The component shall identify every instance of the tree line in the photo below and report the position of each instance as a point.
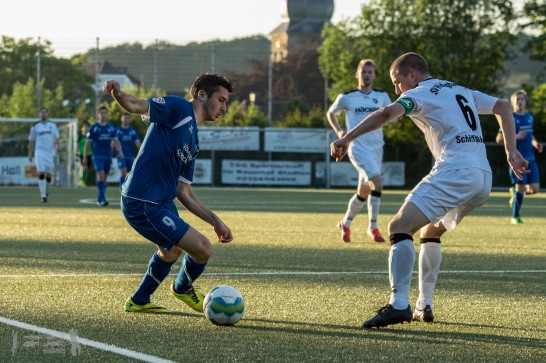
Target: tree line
(464, 41)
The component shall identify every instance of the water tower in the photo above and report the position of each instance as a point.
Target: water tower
(302, 24)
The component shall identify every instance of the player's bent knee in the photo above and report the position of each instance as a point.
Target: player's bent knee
(203, 253)
(170, 255)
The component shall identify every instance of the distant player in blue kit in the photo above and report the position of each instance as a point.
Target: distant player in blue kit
(100, 137)
(526, 144)
(128, 137)
(162, 171)
(459, 182)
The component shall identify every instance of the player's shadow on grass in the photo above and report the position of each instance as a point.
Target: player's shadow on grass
(491, 326)
(426, 335)
(405, 333)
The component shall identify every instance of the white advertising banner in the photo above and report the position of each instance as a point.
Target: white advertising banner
(296, 140)
(18, 171)
(344, 174)
(255, 172)
(229, 138)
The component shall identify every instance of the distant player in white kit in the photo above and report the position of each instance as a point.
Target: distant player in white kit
(366, 152)
(43, 142)
(459, 181)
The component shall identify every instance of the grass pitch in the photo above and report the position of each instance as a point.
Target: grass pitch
(67, 267)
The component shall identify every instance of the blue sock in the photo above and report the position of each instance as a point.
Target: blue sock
(517, 204)
(101, 187)
(189, 272)
(158, 270)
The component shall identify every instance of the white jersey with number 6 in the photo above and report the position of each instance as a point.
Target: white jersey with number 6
(448, 116)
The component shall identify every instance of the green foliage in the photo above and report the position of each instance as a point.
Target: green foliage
(463, 41)
(242, 114)
(22, 101)
(297, 114)
(64, 86)
(537, 98)
(535, 11)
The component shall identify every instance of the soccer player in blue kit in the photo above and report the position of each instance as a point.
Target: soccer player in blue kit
(127, 137)
(162, 171)
(526, 142)
(100, 136)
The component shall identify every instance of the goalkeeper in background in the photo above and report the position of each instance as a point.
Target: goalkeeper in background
(43, 141)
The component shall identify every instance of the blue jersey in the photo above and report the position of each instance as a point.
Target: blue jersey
(101, 136)
(127, 137)
(525, 146)
(167, 154)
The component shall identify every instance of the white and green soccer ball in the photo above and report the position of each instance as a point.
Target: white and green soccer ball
(224, 305)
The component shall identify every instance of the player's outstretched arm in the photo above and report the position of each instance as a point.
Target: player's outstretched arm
(191, 201)
(505, 118)
(127, 101)
(373, 121)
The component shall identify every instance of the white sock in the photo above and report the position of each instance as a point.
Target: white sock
(430, 258)
(373, 210)
(401, 260)
(353, 208)
(42, 185)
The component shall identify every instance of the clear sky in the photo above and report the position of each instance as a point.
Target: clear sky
(72, 26)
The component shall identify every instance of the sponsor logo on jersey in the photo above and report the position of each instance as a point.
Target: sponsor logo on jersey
(469, 138)
(185, 154)
(158, 100)
(365, 109)
(438, 86)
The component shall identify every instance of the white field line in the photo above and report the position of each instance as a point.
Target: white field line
(284, 273)
(83, 341)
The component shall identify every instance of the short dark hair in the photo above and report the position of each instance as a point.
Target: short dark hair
(102, 108)
(210, 83)
(409, 61)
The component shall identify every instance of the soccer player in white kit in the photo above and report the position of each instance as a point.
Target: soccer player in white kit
(366, 152)
(459, 181)
(43, 142)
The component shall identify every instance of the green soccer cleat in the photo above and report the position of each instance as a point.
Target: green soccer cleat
(512, 192)
(193, 298)
(150, 307)
(516, 220)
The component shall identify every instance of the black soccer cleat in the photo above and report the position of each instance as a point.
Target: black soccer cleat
(388, 315)
(424, 315)
(44, 199)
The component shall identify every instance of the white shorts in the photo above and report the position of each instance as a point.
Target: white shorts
(367, 163)
(448, 196)
(44, 162)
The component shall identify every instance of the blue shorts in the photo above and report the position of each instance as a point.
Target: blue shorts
(159, 223)
(532, 178)
(125, 163)
(102, 164)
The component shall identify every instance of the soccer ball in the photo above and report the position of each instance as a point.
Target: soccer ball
(224, 305)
